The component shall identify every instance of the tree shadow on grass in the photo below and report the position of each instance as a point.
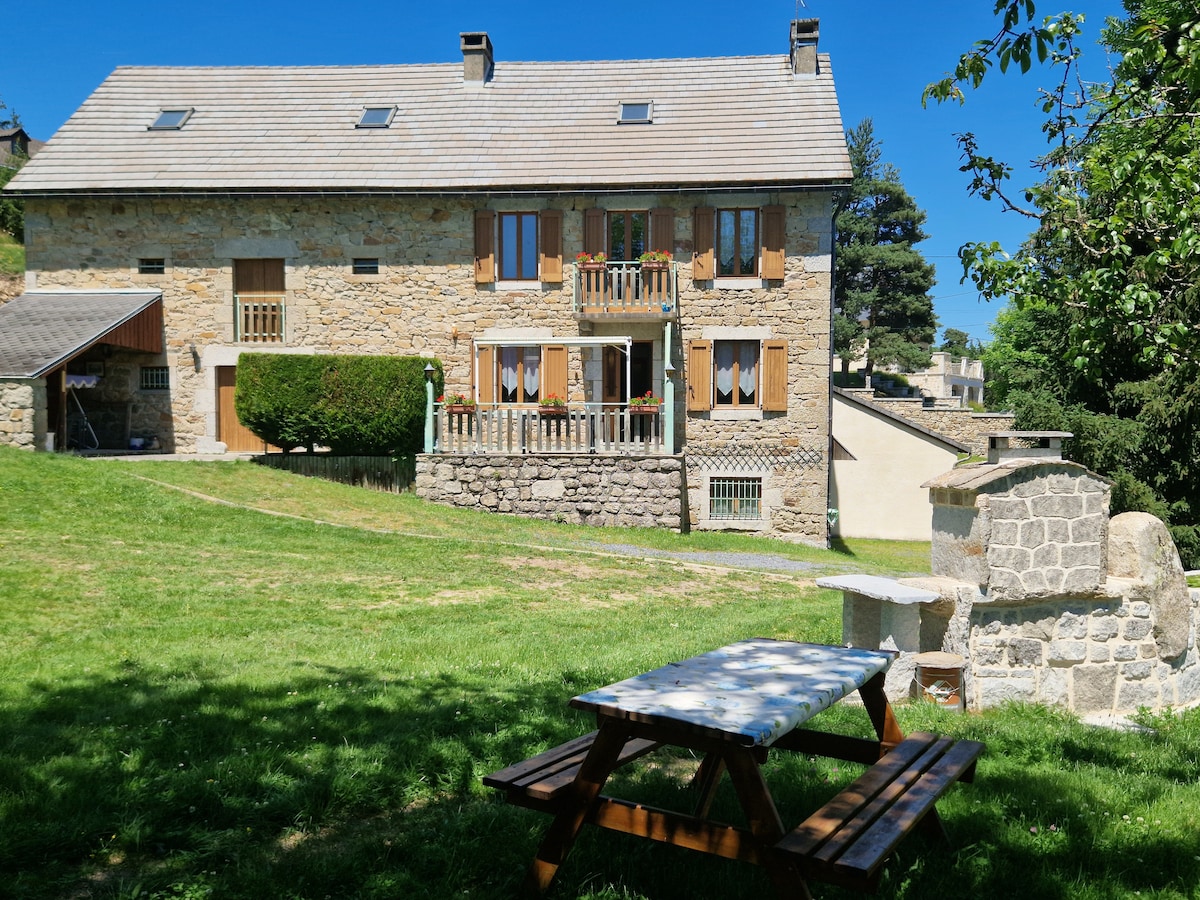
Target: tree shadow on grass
(347, 783)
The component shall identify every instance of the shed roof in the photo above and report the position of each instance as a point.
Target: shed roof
(738, 122)
(43, 329)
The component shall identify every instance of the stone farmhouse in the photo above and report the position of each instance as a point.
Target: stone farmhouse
(495, 216)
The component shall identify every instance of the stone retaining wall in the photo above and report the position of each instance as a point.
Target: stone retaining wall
(582, 489)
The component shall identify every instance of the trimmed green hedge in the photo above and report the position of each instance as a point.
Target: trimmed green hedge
(355, 405)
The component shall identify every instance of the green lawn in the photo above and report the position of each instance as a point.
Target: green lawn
(12, 256)
(205, 700)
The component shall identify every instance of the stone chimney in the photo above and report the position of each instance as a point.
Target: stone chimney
(804, 46)
(478, 61)
(1043, 445)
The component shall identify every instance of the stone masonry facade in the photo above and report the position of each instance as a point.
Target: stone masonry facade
(576, 488)
(425, 301)
(22, 411)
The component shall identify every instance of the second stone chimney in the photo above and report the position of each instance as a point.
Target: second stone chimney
(804, 46)
(478, 61)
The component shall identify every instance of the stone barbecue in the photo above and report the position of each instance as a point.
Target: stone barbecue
(1044, 596)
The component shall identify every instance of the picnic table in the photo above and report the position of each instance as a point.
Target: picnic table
(732, 706)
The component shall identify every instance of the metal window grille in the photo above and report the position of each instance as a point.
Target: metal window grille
(735, 498)
(152, 266)
(366, 267)
(155, 378)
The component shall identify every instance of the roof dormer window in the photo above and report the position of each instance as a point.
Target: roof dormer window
(171, 119)
(635, 112)
(376, 117)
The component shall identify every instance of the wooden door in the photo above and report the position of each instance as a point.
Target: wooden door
(235, 435)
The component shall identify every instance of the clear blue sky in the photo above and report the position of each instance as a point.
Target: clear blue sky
(883, 54)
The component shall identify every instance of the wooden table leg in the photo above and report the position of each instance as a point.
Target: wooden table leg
(707, 777)
(880, 711)
(560, 837)
(765, 824)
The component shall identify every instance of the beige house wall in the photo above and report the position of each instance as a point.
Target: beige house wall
(425, 302)
(879, 493)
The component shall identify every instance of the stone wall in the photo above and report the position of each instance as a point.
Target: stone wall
(22, 411)
(582, 489)
(963, 425)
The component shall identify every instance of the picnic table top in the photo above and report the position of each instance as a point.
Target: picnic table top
(750, 693)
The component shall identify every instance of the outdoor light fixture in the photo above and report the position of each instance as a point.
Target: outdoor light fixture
(195, 357)
(429, 371)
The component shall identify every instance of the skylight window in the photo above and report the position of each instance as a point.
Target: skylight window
(637, 112)
(376, 117)
(171, 119)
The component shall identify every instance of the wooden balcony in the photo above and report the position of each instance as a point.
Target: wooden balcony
(626, 290)
(603, 428)
(259, 318)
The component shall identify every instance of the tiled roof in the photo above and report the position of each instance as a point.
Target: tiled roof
(40, 330)
(725, 121)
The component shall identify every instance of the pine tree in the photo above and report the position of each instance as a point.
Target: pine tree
(881, 282)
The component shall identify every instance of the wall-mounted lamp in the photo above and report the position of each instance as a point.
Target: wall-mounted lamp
(195, 357)
(454, 335)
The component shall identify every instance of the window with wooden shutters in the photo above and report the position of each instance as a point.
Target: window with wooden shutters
(735, 373)
(259, 292)
(551, 256)
(594, 240)
(626, 235)
(774, 232)
(485, 258)
(662, 230)
(704, 219)
(699, 376)
(775, 380)
(554, 371)
(517, 246)
(737, 243)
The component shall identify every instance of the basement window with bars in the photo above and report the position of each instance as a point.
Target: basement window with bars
(365, 266)
(155, 378)
(735, 498)
(154, 266)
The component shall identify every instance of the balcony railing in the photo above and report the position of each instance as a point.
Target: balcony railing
(586, 428)
(626, 287)
(259, 318)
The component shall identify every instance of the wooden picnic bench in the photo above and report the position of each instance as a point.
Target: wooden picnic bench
(845, 842)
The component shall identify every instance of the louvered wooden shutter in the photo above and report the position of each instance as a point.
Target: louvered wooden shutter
(775, 380)
(594, 239)
(704, 221)
(484, 373)
(554, 371)
(485, 257)
(551, 261)
(662, 230)
(774, 231)
(699, 375)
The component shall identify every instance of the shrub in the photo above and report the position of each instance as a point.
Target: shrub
(355, 405)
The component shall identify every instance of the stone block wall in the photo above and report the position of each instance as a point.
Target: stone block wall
(1088, 655)
(963, 425)
(22, 411)
(582, 489)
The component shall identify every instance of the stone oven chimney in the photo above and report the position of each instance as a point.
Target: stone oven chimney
(804, 46)
(1043, 445)
(478, 61)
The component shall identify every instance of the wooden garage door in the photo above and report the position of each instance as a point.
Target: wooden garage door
(233, 433)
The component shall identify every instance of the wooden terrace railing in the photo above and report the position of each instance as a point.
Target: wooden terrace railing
(609, 428)
(259, 317)
(626, 287)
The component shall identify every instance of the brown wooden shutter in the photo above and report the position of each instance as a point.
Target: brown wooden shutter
(699, 375)
(485, 257)
(775, 380)
(258, 276)
(594, 238)
(704, 221)
(554, 371)
(551, 261)
(483, 374)
(774, 231)
(662, 230)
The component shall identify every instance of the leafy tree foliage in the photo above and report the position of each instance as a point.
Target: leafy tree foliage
(882, 282)
(12, 212)
(958, 343)
(1102, 338)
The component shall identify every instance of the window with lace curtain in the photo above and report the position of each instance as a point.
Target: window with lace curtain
(520, 374)
(735, 373)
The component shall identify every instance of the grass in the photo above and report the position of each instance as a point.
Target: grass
(12, 256)
(204, 700)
